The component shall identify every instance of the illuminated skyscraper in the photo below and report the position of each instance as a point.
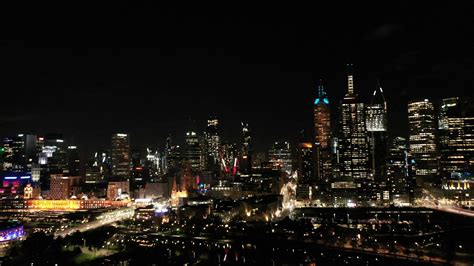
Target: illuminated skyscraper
(19, 152)
(120, 155)
(247, 149)
(322, 129)
(422, 128)
(352, 141)
(456, 137)
(400, 172)
(193, 150)
(322, 118)
(212, 140)
(228, 155)
(376, 121)
(280, 156)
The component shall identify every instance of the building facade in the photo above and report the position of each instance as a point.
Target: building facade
(422, 139)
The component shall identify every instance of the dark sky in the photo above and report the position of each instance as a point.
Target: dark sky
(88, 72)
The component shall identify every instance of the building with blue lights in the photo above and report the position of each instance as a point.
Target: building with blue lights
(322, 130)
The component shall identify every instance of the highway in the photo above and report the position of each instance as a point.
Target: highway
(429, 201)
(104, 219)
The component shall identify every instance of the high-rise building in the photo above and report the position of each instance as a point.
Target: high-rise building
(212, 141)
(352, 142)
(322, 129)
(422, 132)
(306, 173)
(193, 150)
(98, 168)
(137, 173)
(247, 149)
(322, 118)
(19, 152)
(280, 156)
(305, 163)
(400, 172)
(456, 138)
(120, 155)
(376, 121)
(73, 161)
(56, 152)
(229, 158)
(172, 159)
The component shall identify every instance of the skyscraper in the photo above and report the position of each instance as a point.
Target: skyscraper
(229, 154)
(212, 141)
(400, 172)
(73, 161)
(352, 141)
(305, 163)
(19, 152)
(305, 170)
(193, 150)
(322, 129)
(456, 137)
(376, 121)
(120, 155)
(422, 129)
(280, 156)
(247, 149)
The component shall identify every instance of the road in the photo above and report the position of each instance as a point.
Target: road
(104, 219)
(429, 201)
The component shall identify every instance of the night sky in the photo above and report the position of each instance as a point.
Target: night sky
(148, 70)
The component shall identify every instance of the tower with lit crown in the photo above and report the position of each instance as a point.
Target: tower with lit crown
(322, 130)
(353, 144)
(376, 121)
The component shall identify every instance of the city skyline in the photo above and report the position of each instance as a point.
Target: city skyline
(65, 88)
(254, 135)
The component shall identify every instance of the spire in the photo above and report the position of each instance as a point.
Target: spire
(378, 96)
(321, 92)
(322, 96)
(350, 79)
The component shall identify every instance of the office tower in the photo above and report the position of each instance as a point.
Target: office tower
(120, 155)
(153, 162)
(73, 161)
(56, 152)
(228, 155)
(193, 150)
(376, 121)
(456, 137)
(19, 152)
(172, 159)
(247, 149)
(422, 128)
(137, 172)
(305, 163)
(322, 129)
(400, 172)
(212, 141)
(280, 156)
(352, 141)
(306, 171)
(98, 168)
